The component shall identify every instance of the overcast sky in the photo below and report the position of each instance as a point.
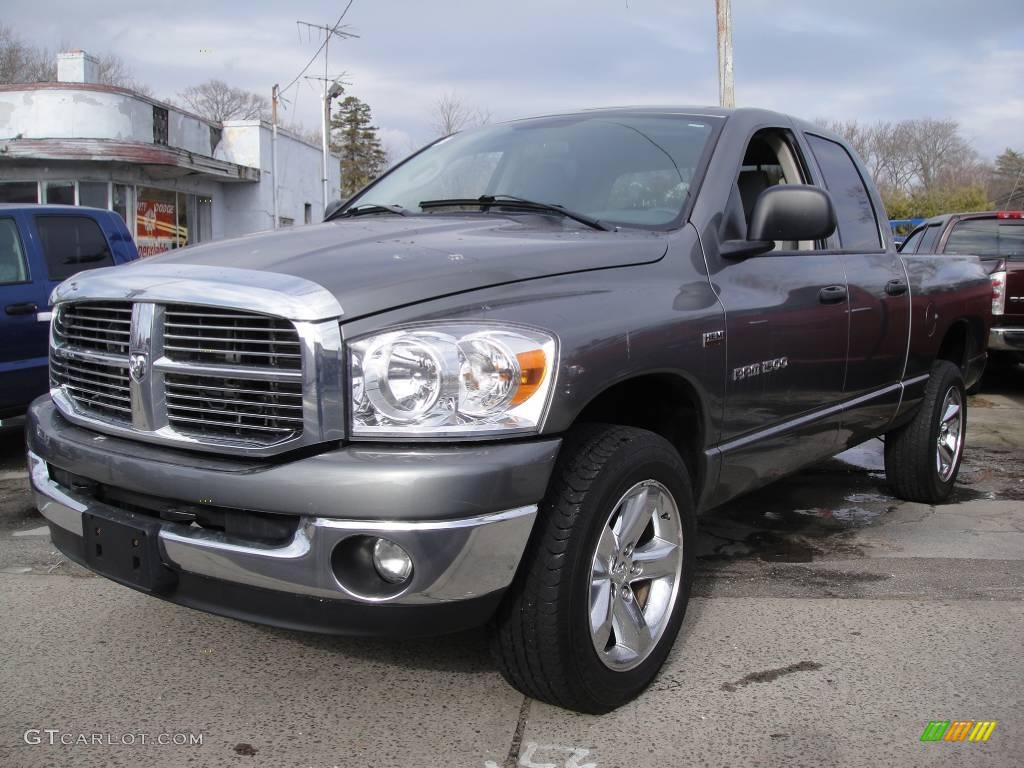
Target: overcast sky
(871, 59)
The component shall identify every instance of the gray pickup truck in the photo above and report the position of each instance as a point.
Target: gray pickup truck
(498, 385)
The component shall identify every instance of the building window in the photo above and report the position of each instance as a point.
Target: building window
(215, 134)
(19, 192)
(204, 214)
(308, 213)
(94, 194)
(156, 221)
(159, 125)
(121, 203)
(59, 192)
(284, 221)
(165, 219)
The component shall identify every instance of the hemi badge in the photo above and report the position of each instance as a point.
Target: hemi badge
(713, 337)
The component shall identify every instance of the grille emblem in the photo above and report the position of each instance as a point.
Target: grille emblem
(138, 364)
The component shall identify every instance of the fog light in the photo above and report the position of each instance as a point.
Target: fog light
(391, 561)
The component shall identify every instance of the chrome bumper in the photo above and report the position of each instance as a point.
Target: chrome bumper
(452, 559)
(1006, 339)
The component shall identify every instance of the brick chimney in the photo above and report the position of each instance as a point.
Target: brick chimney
(77, 67)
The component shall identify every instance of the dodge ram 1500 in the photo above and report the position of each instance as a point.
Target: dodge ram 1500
(497, 386)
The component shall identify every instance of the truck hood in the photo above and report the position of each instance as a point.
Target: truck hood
(376, 263)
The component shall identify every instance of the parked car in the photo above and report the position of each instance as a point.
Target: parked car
(498, 385)
(997, 238)
(901, 229)
(40, 246)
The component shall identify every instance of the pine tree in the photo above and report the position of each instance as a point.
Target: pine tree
(1008, 180)
(354, 138)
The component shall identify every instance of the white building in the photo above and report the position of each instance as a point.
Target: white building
(176, 178)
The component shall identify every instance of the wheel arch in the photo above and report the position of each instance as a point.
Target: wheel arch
(664, 402)
(962, 339)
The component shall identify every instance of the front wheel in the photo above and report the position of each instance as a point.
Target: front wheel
(600, 595)
(922, 458)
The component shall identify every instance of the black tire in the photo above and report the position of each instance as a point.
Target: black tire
(540, 637)
(910, 451)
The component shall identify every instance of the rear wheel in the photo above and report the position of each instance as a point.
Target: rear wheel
(922, 458)
(606, 577)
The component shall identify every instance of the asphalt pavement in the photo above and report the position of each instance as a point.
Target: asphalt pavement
(830, 624)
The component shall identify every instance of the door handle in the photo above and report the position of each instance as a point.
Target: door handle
(832, 294)
(27, 308)
(896, 287)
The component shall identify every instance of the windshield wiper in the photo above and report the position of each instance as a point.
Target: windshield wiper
(511, 201)
(361, 210)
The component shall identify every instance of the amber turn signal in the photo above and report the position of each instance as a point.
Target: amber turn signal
(532, 365)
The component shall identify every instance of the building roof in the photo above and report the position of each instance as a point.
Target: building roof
(170, 161)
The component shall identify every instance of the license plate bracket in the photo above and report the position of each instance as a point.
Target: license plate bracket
(126, 550)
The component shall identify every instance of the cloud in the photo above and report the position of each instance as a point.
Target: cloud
(870, 60)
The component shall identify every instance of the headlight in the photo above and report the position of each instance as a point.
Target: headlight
(450, 379)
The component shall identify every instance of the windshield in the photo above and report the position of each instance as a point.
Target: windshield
(988, 237)
(631, 171)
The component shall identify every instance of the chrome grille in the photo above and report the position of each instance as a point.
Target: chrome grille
(97, 387)
(223, 378)
(103, 326)
(193, 334)
(92, 368)
(257, 410)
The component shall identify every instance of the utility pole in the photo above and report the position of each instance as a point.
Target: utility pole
(332, 88)
(726, 93)
(273, 151)
(326, 94)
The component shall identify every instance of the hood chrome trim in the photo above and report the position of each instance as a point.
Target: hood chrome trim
(272, 293)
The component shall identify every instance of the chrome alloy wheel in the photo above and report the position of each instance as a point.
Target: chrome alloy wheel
(635, 575)
(950, 441)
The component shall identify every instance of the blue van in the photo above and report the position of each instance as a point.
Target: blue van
(40, 246)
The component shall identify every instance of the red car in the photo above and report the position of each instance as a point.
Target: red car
(997, 237)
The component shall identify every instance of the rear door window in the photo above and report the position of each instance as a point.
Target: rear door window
(987, 237)
(72, 244)
(858, 227)
(930, 239)
(13, 265)
(911, 243)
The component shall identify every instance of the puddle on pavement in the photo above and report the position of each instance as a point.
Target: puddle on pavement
(819, 511)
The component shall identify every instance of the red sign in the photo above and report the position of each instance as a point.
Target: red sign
(156, 227)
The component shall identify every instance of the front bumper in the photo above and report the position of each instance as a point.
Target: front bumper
(1006, 339)
(462, 563)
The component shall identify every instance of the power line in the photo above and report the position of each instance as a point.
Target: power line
(333, 30)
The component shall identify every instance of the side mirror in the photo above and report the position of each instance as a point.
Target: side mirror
(332, 208)
(792, 212)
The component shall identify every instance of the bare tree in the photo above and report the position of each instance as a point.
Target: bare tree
(114, 71)
(913, 155)
(311, 135)
(936, 147)
(856, 135)
(216, 100)
(450, 114)
(23, 63)
(892, 165)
